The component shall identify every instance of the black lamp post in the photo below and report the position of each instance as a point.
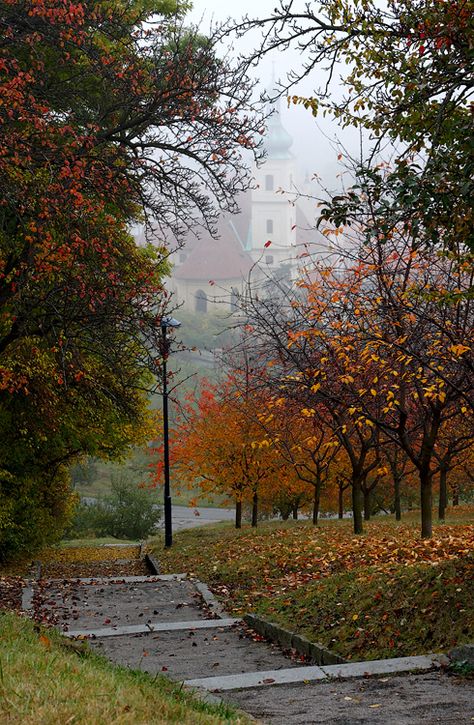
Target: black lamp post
(166, 322)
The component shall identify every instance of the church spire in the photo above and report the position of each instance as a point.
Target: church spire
(277, 141)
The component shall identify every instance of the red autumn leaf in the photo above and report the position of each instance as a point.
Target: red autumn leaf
(267, 244)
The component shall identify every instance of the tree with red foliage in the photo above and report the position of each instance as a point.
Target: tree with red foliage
(109, 114)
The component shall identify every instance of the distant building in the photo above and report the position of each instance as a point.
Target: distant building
(268, 236)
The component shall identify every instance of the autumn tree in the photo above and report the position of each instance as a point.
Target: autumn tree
(383, 347)
(296, 338)
(303, 440)
(410, 349)
(218, 446)
(109, 115)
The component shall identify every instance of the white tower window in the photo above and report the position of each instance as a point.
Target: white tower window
(268, 182)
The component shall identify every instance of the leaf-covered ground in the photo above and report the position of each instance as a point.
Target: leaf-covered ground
(92, 561)
(384, 594)
(58, 562)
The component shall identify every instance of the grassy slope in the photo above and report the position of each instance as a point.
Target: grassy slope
(44, 680)
(385, 594)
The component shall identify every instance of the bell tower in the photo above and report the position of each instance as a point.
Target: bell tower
(273, 214)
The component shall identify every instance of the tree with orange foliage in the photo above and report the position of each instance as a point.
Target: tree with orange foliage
(303, 440)
(219, 446)
(385, 346)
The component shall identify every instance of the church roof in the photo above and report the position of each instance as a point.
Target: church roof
(217, 259)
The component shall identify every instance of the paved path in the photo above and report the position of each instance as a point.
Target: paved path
(185, 517)
(169, 624)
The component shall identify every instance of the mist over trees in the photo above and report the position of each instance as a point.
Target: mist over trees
(370, 352)
(124, 114)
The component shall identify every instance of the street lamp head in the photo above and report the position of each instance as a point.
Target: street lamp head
(169, 321)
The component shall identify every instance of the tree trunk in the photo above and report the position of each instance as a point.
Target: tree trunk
(357, 504)
(456, 495)
(295, 512)
(317, 496)
(426, 498)
(340, 502)
(397, 501)
(255, 509)
(443, 493)
(238, 514)
(367, 504)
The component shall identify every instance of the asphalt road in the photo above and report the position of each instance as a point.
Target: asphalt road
(185, 517)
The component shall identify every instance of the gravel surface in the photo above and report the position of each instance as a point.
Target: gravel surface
(397, 700)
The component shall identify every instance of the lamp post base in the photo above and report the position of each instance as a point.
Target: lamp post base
(168, 528)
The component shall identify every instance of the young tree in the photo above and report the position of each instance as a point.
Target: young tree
(219, 447)
(303, 440)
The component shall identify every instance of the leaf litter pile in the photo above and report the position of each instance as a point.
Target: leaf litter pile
(72, 562)
(385, 594)
(90, 561)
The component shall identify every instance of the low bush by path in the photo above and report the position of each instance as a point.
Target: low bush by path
(384, 594)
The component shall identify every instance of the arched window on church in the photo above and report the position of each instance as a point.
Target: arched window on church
(268, 182)
(269, 226)
(200, 301)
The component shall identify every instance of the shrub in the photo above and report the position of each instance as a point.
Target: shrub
(34, 511)
(130, 512)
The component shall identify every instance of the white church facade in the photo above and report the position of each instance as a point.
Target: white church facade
(266, 238)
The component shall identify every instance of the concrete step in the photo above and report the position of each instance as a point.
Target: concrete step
(88, 605)
(425, 698)
(190, 654)
(314, 673)
(117, 631)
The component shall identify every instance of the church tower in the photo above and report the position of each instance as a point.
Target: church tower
(273, 213)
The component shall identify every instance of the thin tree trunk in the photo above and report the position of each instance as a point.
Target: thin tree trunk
(367, 504)
(397, 501)
(426, 498)
(317, 496)
(443, 493)
(357, 504)
(341, 502)
(295, 512)
(255, 509)
(456, 495)
(238, 514)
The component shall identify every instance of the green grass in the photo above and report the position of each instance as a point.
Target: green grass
(100, 541)
(46, 679)
(385, 594)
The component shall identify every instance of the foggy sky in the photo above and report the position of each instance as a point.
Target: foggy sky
(314, 139)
